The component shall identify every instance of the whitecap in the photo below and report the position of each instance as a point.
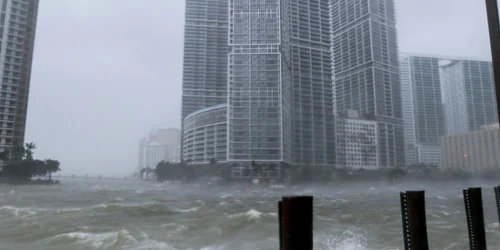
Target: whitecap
(188, 210)
(92, 240)
(251, 214)
(118, 199)
(442, 198)
(17, 212)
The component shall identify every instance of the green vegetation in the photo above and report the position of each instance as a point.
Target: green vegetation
(21, 166)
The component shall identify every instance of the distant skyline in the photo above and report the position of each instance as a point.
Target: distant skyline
(106, 72)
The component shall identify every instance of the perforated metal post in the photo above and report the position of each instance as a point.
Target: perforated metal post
(297, 222)
(475, 218)
(414, 220)
(280, 219)
(494, 31)
(497, 196)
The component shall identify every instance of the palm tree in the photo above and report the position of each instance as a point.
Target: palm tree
(29, 150)
(52, 167)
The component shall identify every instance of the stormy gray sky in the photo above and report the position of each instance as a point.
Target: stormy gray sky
(106, 72)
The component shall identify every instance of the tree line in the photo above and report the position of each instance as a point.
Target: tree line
(21, 166)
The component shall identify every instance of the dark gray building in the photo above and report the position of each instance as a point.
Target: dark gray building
(17, 36)
(366, 70)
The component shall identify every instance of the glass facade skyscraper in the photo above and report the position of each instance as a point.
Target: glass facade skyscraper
(255, 102)
(366, 70)
(468, 95)
(17, 36)
(422, 105)
(279, 81)
(306, 43)
(204, 82)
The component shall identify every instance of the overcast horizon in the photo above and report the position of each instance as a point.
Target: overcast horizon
(107, 72)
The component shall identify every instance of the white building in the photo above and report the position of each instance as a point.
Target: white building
(356, 142)
(429, 155)
(160, 144)
(155, 153)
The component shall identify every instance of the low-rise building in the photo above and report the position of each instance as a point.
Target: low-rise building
(356, 142)
(473, 151)
(430, 155)
(205, 135)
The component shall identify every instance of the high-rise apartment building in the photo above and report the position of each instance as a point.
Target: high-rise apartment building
(255, 103)
(17, 36)
(366, 70)
(204, 79)
(307, 61)
(279, 83)
(422, 108)
(468, 95)
(204, 82)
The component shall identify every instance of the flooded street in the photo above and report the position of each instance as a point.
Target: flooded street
(92, 214)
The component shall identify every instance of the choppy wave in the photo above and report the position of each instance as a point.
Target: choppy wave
(111, 240)
(17, 212)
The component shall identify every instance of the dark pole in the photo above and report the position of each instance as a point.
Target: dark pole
(297, 222)
(494, 30)
(475, 218)
(414, 220)
(280, 219)
(497, 195)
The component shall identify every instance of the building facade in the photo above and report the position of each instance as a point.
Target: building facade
(356, 143)
(308, 81)
(468, 95)
(255, 102)
(473, 151)
(204, 81)
(279, 84)
(17, 35)
(154, 153)
(163, 144)
(422, 108)
(204, 76)
(429, 155)
(366, 70)
(205, 135)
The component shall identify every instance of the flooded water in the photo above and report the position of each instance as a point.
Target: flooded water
(81, 214)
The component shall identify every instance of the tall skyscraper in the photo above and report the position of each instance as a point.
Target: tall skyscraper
(17, 36)
(280, 101)
(204, 82)
(255, 103)
(422, 105)
(468, 95)
(366, 70)
(306, 43)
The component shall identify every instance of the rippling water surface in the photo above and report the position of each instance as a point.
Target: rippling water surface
(84, 214)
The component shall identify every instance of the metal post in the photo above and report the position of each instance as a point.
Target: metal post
(297, 222)
(414, 220)
(497, 195)
(475, 218)
(494, 30)
(280, 219)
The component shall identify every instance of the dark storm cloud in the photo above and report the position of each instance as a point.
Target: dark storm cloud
(107, 71)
